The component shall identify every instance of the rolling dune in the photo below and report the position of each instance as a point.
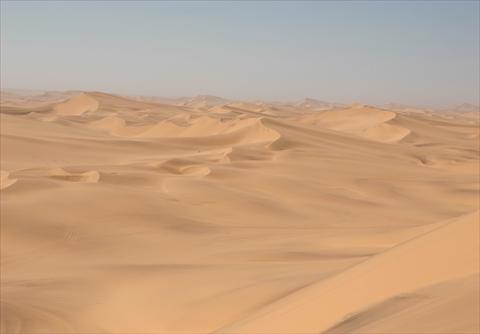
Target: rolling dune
(204, 215)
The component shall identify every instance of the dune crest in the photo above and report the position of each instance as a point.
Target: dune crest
(244, 131)
(203, 126)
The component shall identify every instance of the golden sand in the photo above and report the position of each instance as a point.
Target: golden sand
(121, 215)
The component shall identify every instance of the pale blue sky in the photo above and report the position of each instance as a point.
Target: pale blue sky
(374, 51)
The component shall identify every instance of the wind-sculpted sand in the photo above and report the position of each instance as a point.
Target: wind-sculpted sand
(203, 215)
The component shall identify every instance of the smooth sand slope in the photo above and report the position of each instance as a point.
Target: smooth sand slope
(204, 215)
(396, 273)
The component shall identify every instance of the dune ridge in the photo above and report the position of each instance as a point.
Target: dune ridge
(250, 130)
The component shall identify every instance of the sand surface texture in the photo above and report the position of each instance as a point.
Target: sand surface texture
(203, 215)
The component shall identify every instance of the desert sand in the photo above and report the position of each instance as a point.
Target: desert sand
(204, 215)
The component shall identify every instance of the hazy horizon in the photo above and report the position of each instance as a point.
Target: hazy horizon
(417, 53)
(37, 92)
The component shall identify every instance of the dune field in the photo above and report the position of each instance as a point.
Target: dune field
(204, 215)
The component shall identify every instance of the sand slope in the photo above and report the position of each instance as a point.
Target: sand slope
(203, 215)
(449, 252)
(447, 307)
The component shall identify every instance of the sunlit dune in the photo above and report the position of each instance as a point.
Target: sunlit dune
(364, 121)
(396, 273)
(207, 215)
(5, 181)
(76, 105)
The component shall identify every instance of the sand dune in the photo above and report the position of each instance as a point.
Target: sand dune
(87, 177)
(365, 121)
(204, 215)
(235, 132)
(76, 105)
(204, 102)
(109, 123)
(5, 180)
(413, 265)
(427, 310)
(242, 131)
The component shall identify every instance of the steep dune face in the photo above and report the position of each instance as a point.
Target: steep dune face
(414, 265)
(76, 105)
(132, 216)
(427, 310)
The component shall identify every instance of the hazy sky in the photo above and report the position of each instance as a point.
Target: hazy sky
(373, 52)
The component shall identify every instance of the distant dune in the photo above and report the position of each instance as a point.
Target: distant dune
(207, 215)
(76, 105)
(364, 121)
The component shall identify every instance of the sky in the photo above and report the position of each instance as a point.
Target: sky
(412, 52)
